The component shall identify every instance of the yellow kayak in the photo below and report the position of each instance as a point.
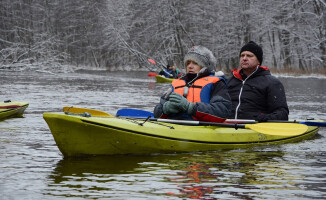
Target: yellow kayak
(10, 109)
(77, 135)
(163, 79)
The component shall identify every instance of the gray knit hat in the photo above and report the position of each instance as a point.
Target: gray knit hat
(202, 56)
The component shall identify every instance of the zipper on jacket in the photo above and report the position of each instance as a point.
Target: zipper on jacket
(243, 82)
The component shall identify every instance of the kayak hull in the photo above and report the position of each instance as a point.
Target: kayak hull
(163, 79)
(80, 136)
(12, 109)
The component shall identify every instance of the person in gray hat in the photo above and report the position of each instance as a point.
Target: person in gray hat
(255, 93)
(199, 94)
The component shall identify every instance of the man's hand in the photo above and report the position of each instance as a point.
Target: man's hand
(262, 118)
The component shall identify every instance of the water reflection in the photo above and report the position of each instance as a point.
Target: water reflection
(101, 175)
(225, 174)
(217, 175)
(68, 167)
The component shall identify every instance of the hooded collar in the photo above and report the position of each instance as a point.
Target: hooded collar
(238, 73)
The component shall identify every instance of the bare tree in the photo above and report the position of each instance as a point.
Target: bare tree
(115, 34)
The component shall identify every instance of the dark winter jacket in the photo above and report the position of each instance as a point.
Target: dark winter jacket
(260, 96)
(218, 107)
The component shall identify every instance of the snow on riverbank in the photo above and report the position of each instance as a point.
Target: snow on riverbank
(57, 69)
(319, 76)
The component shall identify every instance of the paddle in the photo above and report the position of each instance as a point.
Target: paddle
(277, 129)
(248, 121)
(164, 70)
(152, 61)
(94, 113)
(130, 112)
(10, 107)
(144, 114)
(152, 74)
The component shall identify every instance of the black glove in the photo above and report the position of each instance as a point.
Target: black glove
(262, 118)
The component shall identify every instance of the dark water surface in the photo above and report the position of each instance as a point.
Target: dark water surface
(32, 167)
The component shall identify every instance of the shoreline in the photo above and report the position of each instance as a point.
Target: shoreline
(74, 69)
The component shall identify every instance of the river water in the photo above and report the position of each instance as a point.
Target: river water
(32, 167)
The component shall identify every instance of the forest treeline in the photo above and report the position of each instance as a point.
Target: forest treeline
(118, 34)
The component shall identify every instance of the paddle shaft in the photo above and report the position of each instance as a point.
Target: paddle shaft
(189, 122)
(248, 121)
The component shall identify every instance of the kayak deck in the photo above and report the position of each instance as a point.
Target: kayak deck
(12, 109)
(77, 135)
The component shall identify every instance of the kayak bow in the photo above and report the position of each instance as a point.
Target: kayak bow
(10, 109)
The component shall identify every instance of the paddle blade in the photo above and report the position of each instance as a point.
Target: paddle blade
(152, 74)
(280, 129)
(10, 107)
(129, 112)
(152, 61)
(94, 113)
(313, 123)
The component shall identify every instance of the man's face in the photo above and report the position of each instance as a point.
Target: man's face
(248, 60)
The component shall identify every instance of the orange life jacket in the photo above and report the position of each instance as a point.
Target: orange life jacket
(199, 91)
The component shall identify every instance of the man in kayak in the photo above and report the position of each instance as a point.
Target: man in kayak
(175, 72)
(198, 95)
(167, 72)
(255, 93)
